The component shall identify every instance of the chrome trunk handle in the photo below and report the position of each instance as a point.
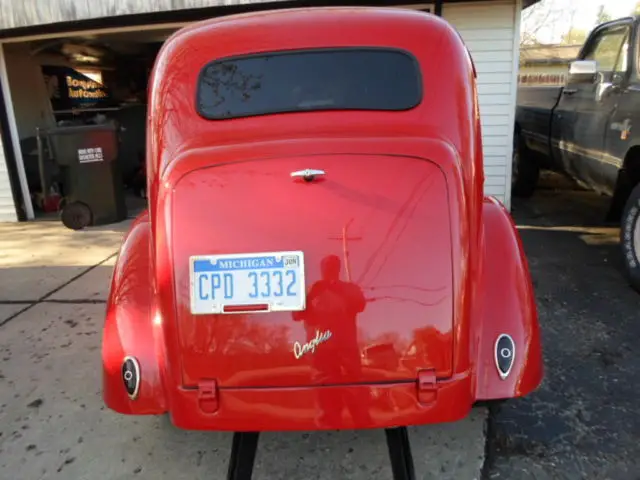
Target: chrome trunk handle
(308, 174)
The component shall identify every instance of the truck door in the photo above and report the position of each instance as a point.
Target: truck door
(587, 106)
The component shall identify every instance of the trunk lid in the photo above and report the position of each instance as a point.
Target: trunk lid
(375, 236)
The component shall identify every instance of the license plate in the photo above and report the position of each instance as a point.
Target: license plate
(248, 282)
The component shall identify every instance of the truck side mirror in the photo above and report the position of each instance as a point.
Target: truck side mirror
(582, 71)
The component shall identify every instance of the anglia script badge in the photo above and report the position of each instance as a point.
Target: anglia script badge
(310, 347)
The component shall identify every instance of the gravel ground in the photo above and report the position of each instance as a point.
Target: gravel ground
(584, 421)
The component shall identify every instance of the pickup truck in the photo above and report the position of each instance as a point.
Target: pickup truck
(585, 130)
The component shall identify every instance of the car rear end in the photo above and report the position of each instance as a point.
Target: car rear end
(330, 297)
(313, 264)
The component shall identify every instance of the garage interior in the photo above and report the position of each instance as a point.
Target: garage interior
(90, 79)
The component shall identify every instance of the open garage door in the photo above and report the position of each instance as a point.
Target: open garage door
(78, 81)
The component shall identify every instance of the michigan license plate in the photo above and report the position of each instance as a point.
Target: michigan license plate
(247, 283)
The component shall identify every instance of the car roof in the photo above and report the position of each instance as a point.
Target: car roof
(312, 15)
(333, 22)
(445, 65)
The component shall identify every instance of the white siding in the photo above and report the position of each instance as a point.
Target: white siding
(7, 208)
(491, 32)
(28, 107)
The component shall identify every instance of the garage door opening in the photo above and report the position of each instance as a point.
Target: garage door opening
(97, 85)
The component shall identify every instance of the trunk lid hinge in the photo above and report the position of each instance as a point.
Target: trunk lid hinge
(427, 388)
(208, 396)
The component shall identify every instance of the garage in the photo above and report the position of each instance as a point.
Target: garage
(61, 68)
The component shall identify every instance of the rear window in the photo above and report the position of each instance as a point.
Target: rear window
(307, 80)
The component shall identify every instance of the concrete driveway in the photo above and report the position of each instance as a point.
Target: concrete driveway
(53, 425)
(583, 423)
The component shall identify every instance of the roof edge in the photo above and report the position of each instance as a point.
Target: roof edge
(187, 15)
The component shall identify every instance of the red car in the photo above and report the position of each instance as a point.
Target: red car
(318, 252)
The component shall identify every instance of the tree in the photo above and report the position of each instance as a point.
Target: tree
(603, 16)
(547, 18)
(636, 9)
(574, 36)
(539, 17)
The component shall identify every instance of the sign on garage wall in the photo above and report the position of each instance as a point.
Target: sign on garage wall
(69, 89)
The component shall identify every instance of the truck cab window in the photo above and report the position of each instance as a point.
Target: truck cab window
(606, 48)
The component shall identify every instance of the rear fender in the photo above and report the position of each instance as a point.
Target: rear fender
(508, 307)
(131, 328)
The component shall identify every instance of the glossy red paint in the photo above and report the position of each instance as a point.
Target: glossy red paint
(383, 278)
(410, 267)
(507, 300)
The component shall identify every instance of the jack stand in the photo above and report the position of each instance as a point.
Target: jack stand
(400, 453)
(243, 455)
(245, 446)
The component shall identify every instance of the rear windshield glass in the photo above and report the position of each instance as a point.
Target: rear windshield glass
(362, 79)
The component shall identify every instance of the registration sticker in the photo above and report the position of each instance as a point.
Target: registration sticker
(247, 282)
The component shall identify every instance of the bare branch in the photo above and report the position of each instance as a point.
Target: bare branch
(545, 15)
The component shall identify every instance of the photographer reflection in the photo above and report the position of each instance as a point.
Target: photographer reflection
(332, 343)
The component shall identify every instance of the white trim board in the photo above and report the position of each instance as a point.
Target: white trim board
(514, 98)
(15, 140)
(490, 31)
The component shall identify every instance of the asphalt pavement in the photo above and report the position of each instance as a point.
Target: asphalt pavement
(584, 421)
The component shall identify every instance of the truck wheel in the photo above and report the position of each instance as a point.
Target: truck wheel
(630, 237)
(524, 170)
